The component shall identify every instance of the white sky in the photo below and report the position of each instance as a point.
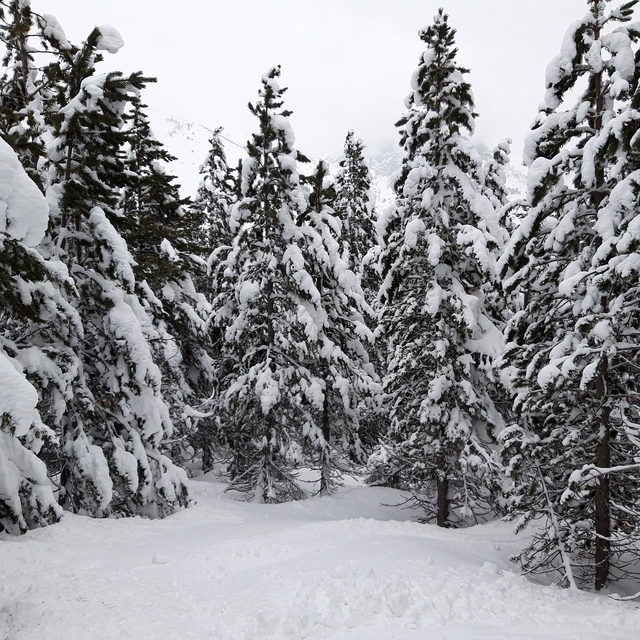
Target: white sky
(347, 63)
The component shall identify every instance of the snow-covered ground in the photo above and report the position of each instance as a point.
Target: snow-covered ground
(339, 567)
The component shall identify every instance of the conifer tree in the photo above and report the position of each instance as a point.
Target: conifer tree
(350, 384)
(166, 239)
(219, 190)
(115, 418)
(494, 182)
(354, 206)
(269, 313)
(359, 249)
(156, 220)
(216, 194)
(573, 348)
(32, 309)
(438, 261)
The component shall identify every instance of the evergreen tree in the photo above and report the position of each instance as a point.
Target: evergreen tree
(219, 190)
(438, 261)
(573, 348)
(499, 305)
(157, 222)
(354, 206)
(494, 183)
(350, 384)
(166, 237)
(359, 249)
(269, 313)
(216, 193)
(31, 310)
(115, 418)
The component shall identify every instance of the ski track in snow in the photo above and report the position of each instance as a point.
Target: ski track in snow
(345, 566)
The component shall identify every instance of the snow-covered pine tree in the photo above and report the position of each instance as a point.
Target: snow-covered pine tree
(499, 305)
(359, 248)
(115, 418)
(153, 211)
(438, 262)
(216, 193)
(166, 239)
(573, 349)
(31, 310)
(494, 183)
(354, 207)
(18, 94)
(17, 121)
(350, 384)
(270, 313)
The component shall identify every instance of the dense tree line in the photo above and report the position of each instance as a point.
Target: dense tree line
(477, 352)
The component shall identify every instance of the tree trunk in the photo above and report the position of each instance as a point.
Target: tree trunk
(442, 485)
(325, 471)
(602, 515)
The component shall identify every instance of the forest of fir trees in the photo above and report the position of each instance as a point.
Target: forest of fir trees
(478, 351)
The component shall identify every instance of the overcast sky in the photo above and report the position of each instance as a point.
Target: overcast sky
(347, 63)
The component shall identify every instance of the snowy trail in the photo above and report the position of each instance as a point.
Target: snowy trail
(343, 567)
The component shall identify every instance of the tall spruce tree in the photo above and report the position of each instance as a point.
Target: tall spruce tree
(217, 192)
(167, 241)
(359, 249)
(269, 311)
(573, 350)
(350, 384)
(155, 218)
(115, 418)
(494, 182)
(438, 261)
